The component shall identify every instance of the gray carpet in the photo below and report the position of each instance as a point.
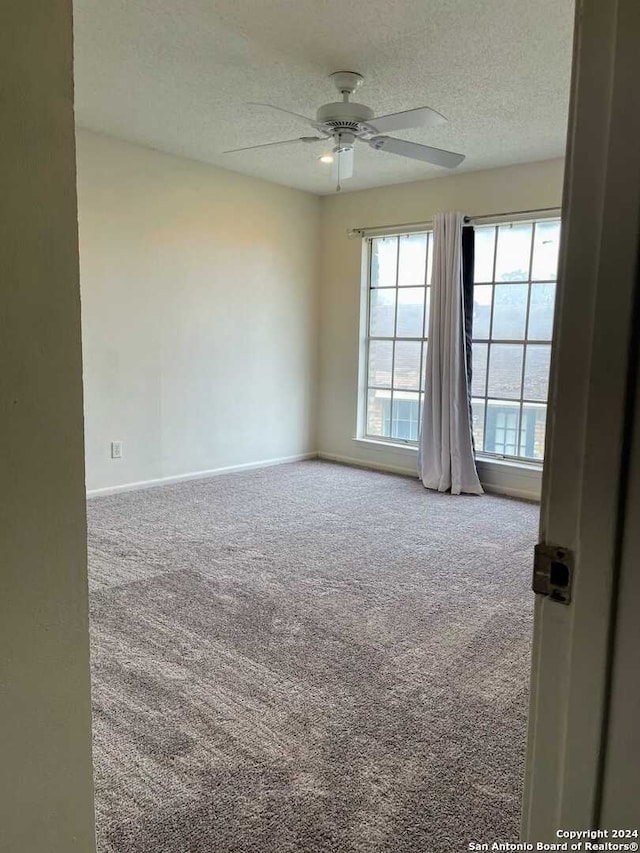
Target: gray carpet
(308, 658)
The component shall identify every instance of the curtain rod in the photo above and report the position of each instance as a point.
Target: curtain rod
(469, 220)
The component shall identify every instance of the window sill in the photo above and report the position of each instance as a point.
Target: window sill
(387, 445)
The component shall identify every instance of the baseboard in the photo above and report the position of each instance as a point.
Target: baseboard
(521, 483)
(371, 465)
(198, 475)
(511, 492)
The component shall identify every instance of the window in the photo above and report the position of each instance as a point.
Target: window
(398, 269)
(514, 296)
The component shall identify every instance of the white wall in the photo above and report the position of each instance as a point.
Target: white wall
(534, 185)
(46, 790)
(199, 311)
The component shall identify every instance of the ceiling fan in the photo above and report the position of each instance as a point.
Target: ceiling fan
(346, 122)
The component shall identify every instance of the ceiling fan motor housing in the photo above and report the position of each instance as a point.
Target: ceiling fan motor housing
(345, 121)
(344, 111)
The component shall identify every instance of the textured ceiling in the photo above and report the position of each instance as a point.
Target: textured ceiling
(176, 76)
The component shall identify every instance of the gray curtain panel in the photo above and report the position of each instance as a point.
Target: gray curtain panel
(446, 459)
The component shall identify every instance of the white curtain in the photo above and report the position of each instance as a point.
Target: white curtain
(445, 450)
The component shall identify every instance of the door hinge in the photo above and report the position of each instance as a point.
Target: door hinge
(553, 572)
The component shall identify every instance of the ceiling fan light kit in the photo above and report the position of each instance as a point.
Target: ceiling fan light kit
(347, 122)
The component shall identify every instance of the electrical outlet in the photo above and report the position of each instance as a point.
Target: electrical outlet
(116, 450)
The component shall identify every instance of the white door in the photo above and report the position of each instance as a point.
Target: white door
(584, 502)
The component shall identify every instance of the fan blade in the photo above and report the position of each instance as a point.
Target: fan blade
(284, 142)
(281, 110)
(342, 165)
(437, 156)
(420, 117)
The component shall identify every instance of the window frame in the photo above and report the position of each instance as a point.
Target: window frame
(365, 338)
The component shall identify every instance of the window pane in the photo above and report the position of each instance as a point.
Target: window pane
(532, 433)
(513, 253)
(427, 313)
(430, 257)
(410, 312)
(484, 248)
(477, 407)
(501, 432)
(380, 360)
(412, 264)
(382, 316)
(379, 413)
(406, 368)
(505, 370)
(536, 372)
(384, 261)
(509, 312)
(479, 372)
(482, 294)
(545, 251)
(543, 297)
(423, 371)
(405, 416)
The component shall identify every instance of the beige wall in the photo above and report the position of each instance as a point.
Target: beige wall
(199, 309)
(46, 801)
(534, 185)
(188, 271)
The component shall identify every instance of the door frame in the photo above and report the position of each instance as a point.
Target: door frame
(589, 423)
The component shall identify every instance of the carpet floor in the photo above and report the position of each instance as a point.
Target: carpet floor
(308, 659)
